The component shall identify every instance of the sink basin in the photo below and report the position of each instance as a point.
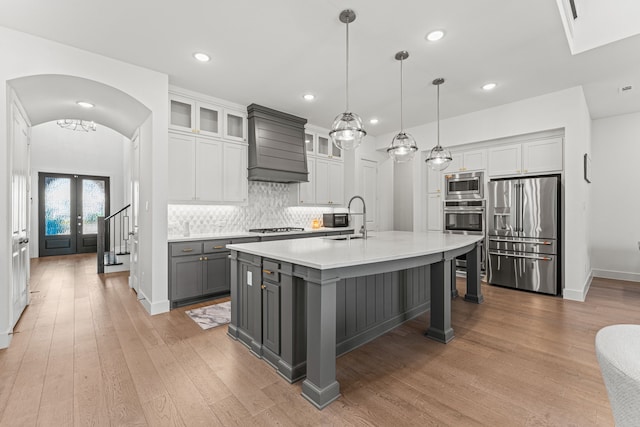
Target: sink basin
(347, 237)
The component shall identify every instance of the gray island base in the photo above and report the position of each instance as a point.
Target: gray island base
(298, 304)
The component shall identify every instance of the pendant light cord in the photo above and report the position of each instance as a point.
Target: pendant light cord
(438, 115)
(347, 76)
(401, 99)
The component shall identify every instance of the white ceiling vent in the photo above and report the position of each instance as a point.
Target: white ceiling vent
(625, 89)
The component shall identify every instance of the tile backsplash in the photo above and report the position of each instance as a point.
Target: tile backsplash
(268, 207)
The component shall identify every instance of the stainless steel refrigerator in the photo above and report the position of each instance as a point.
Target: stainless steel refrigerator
(524, 234)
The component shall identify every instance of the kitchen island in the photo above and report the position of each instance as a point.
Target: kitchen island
(299, 303)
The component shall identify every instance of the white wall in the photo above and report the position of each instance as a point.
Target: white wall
(402, 196)
(614, 224)
(563, 109)
(57, 150)
(24, 55)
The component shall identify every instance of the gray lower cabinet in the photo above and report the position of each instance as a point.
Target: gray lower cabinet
(271, 306)
(199, 270)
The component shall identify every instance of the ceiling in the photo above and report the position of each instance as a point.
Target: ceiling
(272, 52)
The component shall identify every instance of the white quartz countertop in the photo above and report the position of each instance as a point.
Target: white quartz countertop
(326, 252)
(240, 234)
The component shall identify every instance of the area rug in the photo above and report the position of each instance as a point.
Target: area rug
(212, 315)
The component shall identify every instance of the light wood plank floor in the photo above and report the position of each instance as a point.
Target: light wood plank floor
(86, 353)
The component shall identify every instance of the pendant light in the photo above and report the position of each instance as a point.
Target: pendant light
(439, 158)
(347, 132)
(403, 146)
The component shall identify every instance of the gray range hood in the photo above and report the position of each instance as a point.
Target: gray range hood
(277, 152)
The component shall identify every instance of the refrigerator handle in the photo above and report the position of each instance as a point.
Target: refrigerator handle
(517, 191)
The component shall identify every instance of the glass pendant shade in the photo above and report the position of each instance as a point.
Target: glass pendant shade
(403, 148)
(347, 132)
(439, 157)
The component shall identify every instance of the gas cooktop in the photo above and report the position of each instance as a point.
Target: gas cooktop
(275, 230)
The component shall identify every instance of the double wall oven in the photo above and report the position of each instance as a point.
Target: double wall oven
(465, 208)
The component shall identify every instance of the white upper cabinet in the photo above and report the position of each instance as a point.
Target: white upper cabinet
(531, 157)
(307, 190)
(235, 125)
(197, 116)
(205, 170)
(434, 212)
(505, 160)
(542, 156)
(234, 173)
(466, 161)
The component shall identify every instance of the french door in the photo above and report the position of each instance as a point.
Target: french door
(69, 207)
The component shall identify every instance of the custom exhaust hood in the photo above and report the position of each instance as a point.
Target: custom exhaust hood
(277, 151)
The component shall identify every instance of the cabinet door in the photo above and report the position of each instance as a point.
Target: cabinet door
(182, 168)
(336, 153)
(235, 173)
(216, 273)
(322, 182)
(271, 316)
(434, 212)
(474, 160)
(336, 183)
(456, 164)
(208, 160)
(186, 277)
(542, 156)
(434, 180)
(208, 119)
(309, 142)
(324, 145)
(182, 113)
(505, 160)
(235, 125)
(307, 190)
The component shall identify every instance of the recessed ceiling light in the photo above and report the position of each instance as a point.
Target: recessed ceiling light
(202, 57)
(489, 86)
(309, 97)
(434, 36)
(85, 104)
(374, 121)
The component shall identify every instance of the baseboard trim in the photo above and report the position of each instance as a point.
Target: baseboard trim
(617, 275)
(577, 295)
(5, 339)
(153, 308)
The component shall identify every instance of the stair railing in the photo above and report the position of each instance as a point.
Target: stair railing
(113, 237)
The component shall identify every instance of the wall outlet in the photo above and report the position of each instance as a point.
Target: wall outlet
(250, 276)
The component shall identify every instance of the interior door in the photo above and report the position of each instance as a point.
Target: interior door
(19, 215)
(68, 213)
(370, 192)
(135, 203)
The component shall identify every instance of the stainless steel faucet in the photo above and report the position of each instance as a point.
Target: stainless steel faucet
(363, 229)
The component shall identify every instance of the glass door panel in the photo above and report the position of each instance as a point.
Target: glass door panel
(308, 141)
(323, 145)
(235, 127)
(181, 114)
(209, 120)
(336, 152)
(69, 207)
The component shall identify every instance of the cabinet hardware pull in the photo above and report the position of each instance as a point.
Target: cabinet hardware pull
(187, 250)
(200, 259)
(206, 258)
(218, 247)
(263, 286)
(267, 271)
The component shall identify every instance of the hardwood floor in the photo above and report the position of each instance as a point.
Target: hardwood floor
(86, 353)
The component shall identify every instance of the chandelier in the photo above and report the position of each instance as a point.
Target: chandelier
(76, 124)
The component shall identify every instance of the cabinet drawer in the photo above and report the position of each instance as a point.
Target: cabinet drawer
(212, 246)
(270, 271)
(187, 248)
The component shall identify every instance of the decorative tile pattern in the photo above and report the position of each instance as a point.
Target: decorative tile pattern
(268, 206)
(212, 315)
